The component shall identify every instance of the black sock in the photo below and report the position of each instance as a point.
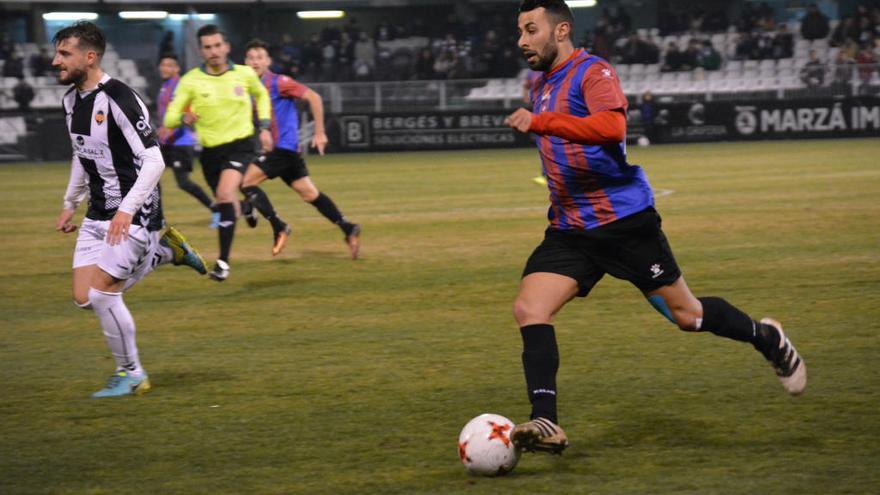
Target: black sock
(540, 360)
(328, 208)
(186, 184)
(226, 229)
(258, 198)
(722, 318)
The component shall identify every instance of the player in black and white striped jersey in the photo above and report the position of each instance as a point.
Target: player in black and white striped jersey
(117, 164)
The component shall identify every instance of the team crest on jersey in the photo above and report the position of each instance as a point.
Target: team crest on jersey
(99, 117)
(239, 91)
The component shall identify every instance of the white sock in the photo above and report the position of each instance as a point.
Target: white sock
(119, 329)
(165, 255)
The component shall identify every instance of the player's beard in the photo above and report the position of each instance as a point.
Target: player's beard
(74, 76)
(544, 59)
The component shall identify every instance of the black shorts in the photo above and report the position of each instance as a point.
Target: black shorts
(180, 158)
(632, 248)
(289, 165)
(230, 156)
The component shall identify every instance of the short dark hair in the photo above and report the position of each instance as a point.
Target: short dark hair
(172, 56)
(557, 9)
(209, 30)
(256, 43)
(89, 36)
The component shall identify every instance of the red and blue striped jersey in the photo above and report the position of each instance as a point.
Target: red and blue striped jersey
(283, 91)
(183, 135)
(590, 185)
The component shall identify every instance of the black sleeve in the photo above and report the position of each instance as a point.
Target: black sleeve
(135, 111)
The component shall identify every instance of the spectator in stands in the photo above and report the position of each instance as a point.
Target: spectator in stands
(41, 63)
(444, 64)
(638, 51)
(345, 57)
(646, 108)
(424, 69)
(783, 43)
(814, 25)
(328, 61)
(846, 29)
(708, 58)
(865, 60)
(674, 60)
(364, 56)
(747, 47)
(14, 66)
(288, 47)
(384, 32)
(813, 72)
(23, 94)
(843, 73)
(690, 55)
(313, 55)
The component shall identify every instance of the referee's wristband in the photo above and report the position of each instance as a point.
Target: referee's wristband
(265, 124)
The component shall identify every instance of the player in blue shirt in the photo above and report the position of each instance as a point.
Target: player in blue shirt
(602, 220)
(285, 161)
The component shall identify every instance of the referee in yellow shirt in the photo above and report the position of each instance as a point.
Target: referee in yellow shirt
(216, 99)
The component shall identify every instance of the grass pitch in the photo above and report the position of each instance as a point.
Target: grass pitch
(311, 373)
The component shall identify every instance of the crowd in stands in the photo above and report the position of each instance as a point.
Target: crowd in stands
(480, 48)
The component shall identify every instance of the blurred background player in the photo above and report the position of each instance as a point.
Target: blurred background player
(117, 163)
(602, 220)
(284, 160)
(216, 99)
(177, 144)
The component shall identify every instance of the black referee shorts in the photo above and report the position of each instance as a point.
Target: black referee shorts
(633, 248)
(289, 165)
(178, 157)
(230, 156)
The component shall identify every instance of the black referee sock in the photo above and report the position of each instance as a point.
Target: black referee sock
(258, 198)
(722, 318)
(540, 360)
(226, 229)
(328, 208)
(186, 184)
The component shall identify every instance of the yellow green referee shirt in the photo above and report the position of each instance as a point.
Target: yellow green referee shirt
(222, 102)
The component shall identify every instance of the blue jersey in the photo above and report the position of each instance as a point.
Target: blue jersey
(182, 136)
(590, 185)
(284, 92)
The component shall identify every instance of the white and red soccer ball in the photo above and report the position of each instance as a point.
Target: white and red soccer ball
(485, 447)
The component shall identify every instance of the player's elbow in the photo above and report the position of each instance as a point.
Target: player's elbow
(615, 131)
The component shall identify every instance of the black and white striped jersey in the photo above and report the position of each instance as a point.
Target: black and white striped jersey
(113, 146)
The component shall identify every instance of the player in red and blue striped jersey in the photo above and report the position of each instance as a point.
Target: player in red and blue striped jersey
(285, 160)
(177, 144)
(602, 220)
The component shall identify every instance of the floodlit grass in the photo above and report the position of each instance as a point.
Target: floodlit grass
(315, 374)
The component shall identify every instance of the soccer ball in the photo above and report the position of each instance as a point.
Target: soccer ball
(485, 447)
(643, 141)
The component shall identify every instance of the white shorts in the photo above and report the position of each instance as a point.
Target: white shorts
(122, 261)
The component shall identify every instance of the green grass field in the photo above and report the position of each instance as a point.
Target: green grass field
(316, 374)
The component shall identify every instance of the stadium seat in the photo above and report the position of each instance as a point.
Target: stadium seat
(652, 69)
(785, 63)
(734, 66)
(636, 69)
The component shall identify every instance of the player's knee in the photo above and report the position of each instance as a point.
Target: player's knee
(527, 312)
(685, 319)
(306, 192)
(226, 196)
(82, 301)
